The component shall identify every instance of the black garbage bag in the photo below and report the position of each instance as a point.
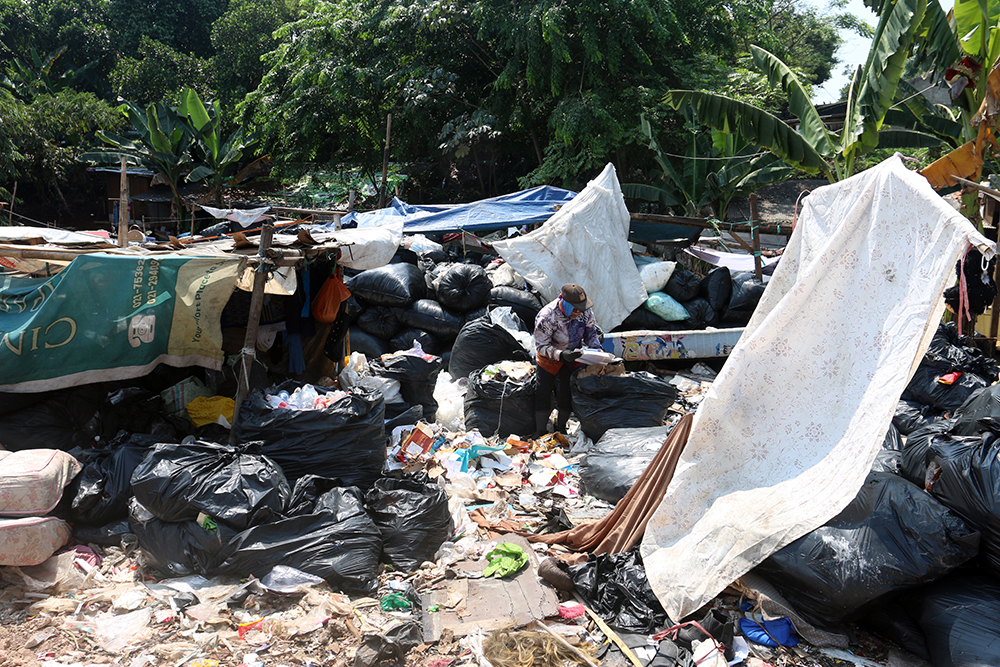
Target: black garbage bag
(406, 417)
(481, 343)
(389, 285)
(417, 378)
(960, 618)
(893, 620)
(524, 303)
(746, 294)
(926, 384)
(616, 588)
(463, 287)
(717, 289)
(131, 409)
(365, 343)
(390, 648)
(405, 339)
(982, 404)
(915, 454)
(499, 405)
(108, 535)
(307, 492)
(911, 416)
(893, 439)
(892, 537)
(616, 461)
(889, 461)
(412, 515)
(380, 321)
(236, 486)
(963, 473)
(344, 440)
(337, 541)
(430, 316)
(961, 350)
(631, 400)
(700, 313)
(102, 490)
(683, 284)
(179, 548)
(63, 420)
(642, 319)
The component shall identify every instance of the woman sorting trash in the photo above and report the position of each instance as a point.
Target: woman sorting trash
(561, 329)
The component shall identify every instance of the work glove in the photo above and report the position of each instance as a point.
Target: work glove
(570, 355)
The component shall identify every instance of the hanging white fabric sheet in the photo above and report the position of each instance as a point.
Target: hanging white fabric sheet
(787, 433)
(585, 242)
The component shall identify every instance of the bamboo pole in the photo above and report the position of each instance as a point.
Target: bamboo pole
(758, 263)
(249, 352)
(385, 162)
(123, 209)
(13, 198)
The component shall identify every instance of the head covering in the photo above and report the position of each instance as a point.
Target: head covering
(576, 296)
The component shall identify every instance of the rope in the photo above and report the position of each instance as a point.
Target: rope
(795, 216)
(963, 293)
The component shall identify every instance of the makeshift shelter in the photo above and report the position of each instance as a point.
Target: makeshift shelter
(76, 310)
(585, 242)
(790, 428)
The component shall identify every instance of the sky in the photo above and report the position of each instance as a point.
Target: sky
(854, 51)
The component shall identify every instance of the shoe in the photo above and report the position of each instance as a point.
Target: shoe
(541, 424)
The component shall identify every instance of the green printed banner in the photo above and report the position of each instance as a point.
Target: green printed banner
(112, 317)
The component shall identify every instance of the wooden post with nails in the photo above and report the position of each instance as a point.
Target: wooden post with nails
(248, 354)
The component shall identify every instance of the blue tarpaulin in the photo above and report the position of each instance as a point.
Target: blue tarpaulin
(513, 210)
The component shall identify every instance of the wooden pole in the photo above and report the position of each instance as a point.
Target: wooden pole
(249, 352)
(123, 209)
(385, 162)
(758, 263)
(13, 198)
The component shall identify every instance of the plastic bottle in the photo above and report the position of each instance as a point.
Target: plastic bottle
(274, 401)
(308, 397)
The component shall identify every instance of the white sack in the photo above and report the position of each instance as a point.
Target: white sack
(371, 247)
(585, 242)
(787, 433)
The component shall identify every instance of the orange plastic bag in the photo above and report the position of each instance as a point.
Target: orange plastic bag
(327, 303)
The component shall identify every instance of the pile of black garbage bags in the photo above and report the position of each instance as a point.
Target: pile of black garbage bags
(723, 298)
(916, 555)
(307, 491)
(428, 298)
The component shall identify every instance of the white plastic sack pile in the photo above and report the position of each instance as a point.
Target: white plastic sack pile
(370, 247)
(585, 242)
(787, 433)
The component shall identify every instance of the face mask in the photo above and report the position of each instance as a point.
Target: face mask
(566, 307)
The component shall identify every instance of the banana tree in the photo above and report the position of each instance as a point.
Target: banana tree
(813, 147)
(735, 169)
(220, 158)
(163, 145)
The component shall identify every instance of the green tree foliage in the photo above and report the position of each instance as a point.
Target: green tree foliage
(540, 91)
(163, 145)
(813, 147)
(240, 38)
(159, 73)
(40, 139)
(220, 157)
(183, 25)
